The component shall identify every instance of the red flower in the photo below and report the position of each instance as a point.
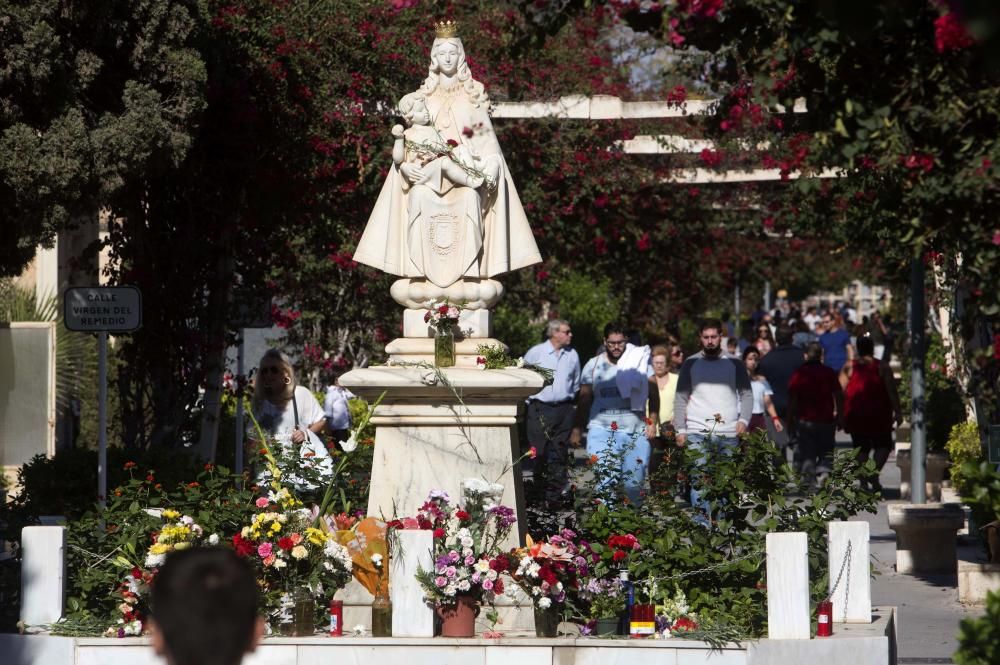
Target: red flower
(461, 515)
(130, 465)
(498, 587)
(618, 555)
(996, 237)
(950, 34)
(209, 467)
(533, 452)
(614, 425)
(439, 532)
(467, 132)
(480, 360)
(453, 143)
(194, 484)
(286, 544)
(684, 623)
(644, 244)
(711, 158)
(242, 546)
(443, 310)
(677, 96)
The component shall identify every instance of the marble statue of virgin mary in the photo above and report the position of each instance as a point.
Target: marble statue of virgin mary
(423, 225)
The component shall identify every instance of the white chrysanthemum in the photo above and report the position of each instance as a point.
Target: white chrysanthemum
(155, 560)
(482, 566)
(544, 603)
(533, 569)
(213, 539)
(279, 564)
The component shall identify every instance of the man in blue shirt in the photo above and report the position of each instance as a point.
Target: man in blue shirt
(836, 342)
(549, 418)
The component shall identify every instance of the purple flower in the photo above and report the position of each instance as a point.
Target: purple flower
(450, 571)
(568, 534)
(453, 556)
(469, 560)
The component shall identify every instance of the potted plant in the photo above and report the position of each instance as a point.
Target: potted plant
(607, 603)
(466, 540)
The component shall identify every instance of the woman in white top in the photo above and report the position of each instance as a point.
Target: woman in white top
(290, 414)
(761, 394)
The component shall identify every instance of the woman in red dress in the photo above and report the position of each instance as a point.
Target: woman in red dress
(871, 405)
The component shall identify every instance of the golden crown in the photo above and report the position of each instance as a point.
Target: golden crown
(446, 29)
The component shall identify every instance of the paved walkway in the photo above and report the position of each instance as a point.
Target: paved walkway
(928, 607)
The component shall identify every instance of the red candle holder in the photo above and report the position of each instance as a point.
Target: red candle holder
(824, 618)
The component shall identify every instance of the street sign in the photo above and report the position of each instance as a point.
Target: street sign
(113, 309)
(994, 444)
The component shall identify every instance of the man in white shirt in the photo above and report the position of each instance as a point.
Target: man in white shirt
(337, 410)
(549, 417)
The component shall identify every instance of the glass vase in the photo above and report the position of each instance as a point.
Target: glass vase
(444, 348)
(547, 621)
(298, 615)
(382, 615)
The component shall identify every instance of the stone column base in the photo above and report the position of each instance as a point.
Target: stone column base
(925, 537)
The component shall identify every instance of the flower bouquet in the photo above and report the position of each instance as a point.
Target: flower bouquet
(444, 317)
(549, 572)
(673, 615)
(467, 543)
(178, 532)
(298, 562)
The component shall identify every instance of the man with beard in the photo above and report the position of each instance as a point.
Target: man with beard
(614, 388)
(714, 400)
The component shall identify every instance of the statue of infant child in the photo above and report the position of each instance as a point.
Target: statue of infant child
(423, 145)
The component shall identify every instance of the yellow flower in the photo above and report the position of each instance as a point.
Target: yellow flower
(170, 514)
(316, 536)
(299, 552)
(159, 548)
(275, 527)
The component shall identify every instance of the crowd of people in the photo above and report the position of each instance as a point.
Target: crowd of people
(798, 375)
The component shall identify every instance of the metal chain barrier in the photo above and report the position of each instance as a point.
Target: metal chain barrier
(846, 565)
(706, 569)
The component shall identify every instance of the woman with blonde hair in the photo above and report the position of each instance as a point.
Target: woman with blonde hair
(287, 412)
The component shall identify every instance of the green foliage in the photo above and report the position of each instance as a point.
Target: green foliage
(588, 303)
(982, 484)
(943, 405)
(979, 637)
(516, 328)
(964, 445)
(721, 568)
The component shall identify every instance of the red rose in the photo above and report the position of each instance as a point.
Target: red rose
(461, 515)
(453, 143)
(286, 544)
(614, 425)
(439, 532)
(618, 555)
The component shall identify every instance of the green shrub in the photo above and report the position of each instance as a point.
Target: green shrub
(982, 494)
(943, 404)
(964, 445)
(515, 328)
(721, 569)
(588, 305)
(979, 637)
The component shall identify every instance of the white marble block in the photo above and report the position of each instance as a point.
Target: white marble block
(411, 617)
(43, 574)
(787, 586)
(854, 590)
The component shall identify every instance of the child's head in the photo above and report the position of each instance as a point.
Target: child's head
(731, 345)
(414, 110)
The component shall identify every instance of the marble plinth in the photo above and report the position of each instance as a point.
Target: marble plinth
(925, 537)
(421, 349)
(475, 324)
(935, 465)
(434, 430)
(872, 644)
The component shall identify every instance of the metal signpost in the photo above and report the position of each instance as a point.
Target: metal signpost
(102, 309)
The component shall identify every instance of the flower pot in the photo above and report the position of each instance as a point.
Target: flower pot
(606, 626)
(298, 614)
(382, 616)
(459, 620)
(547, 621)
(444, 348)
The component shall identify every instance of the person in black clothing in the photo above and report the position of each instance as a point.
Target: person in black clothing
(778, 367)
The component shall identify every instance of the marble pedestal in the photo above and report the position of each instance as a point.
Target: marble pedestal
(925, 537)
(935, 465)
(434, 428)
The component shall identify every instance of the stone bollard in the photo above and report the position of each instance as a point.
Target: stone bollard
(411, 617)
(935, 465)
(925, 537)
(43, 574)
(788, 586)
(854, 590)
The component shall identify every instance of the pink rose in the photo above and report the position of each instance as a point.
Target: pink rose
(261, 502)
(265, 550)
(441, 581)
(488, 584)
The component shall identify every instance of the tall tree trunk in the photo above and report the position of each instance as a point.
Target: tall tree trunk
(215, 350)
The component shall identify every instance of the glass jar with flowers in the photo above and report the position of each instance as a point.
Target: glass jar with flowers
(550, 572)
(467, 568)
(298, 563)
(444, 317)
